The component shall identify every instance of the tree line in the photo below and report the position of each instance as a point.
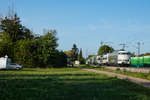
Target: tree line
(75, 55)
(28, 49)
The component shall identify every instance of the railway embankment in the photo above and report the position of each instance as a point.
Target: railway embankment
(130, 69)
(143, 82)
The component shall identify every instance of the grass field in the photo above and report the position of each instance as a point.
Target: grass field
(66, 84)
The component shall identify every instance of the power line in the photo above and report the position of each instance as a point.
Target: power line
(123, 46)
(139, 47)
(102, 42)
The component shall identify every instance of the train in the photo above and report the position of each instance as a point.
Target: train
(140, 61)
(119, 58)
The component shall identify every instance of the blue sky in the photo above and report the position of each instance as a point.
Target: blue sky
(87, 22)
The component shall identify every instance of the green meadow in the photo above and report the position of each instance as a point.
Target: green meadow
(66, 84)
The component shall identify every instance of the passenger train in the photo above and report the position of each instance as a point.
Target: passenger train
(120, 57)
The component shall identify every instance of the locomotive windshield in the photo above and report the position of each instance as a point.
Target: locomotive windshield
(124, 53)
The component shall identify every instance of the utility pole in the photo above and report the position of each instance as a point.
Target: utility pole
(123, 46)
(139, 50)
(101, 43)
(138, 47)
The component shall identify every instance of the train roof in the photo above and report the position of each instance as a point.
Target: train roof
(123, 51)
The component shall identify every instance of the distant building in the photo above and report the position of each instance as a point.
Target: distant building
(77, 62)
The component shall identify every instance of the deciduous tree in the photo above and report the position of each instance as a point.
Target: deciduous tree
(105, 49)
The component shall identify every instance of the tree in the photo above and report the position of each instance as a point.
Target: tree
(24, 53)
(29, 50)
(6, 48)
(45, 49)
(61, 59)
(105, 49)
(40, 52)
(11, 32)
(133, 54)
(12, 28)
(80, 57)
(75, 51)
(80, 54)
(145, 54)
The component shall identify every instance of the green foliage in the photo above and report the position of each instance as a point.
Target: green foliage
(24, 48)
(6, 48)
(105, 49)
(61, 59)
(45, 49)
(80, 57)
(12, 28)
(40, 52)
(24, 53)
(75, 51)
(145, 54)
(11, 32)
(133, 54)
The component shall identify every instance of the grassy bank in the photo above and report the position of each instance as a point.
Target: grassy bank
(66, 84)
(124, 72)
(118, 71)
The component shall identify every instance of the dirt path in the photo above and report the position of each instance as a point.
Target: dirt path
(143, 82)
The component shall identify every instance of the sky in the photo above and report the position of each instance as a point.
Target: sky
(87, 22)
